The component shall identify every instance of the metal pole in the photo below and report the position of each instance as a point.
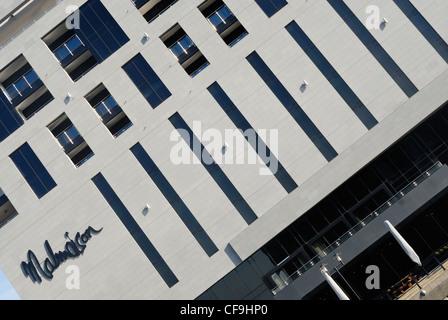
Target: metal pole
(337, 270)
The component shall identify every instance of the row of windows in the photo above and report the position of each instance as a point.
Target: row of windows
(79, 50)
(218, 15)
(20, 81)
(215, 11)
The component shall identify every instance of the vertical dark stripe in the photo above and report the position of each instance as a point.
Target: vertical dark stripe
(99, 31)
(292, 106)
(258, 144)
(134, 229)
(32, 169)
(374, 47)
(424, 27)
(147, 81)
(173, 198)
(213, 169)
(10, 120)
(332, 75)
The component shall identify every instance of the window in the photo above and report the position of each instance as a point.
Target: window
(108, 110)
(147, 81)
(25, 82)
(374, 47)
(270, 7)
(7, 210)
(151, 9)
(257, 144)
(10, 120)
(224, 21)
(33, 170)
(346, 93)
(134, 230)
(73, 55)
(69, 49)
(214, 170)
(23, 88)
(292, 106)
(79, 50)
(184, 50)
(175, 201)
(71, 141)
(424, 27)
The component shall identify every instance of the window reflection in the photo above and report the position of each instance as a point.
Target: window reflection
(220, 16)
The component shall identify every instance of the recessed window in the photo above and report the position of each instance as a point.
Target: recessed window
(23, 88)
(223, 21)
(151, 9)
(71, 141)
(7, 210)
(108, 110)
(79, 50)
(184, 50)
(72, 54)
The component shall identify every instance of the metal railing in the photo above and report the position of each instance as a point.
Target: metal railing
(411, 186)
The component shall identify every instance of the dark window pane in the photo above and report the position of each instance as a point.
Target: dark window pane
(99, 31)
(257, 144)
(292, 106)
(288, 241)
(424, 27)
(374, 47)
(270, 7)
(146, 81)
(332, 76)
(173, 198)
(135, 231)
(32, 170)
(275, 251)
(215, 170)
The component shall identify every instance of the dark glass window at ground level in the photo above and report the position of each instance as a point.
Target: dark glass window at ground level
(372, 186)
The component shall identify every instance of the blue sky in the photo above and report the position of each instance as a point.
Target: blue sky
(7, 292)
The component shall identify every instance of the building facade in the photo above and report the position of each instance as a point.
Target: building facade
(221, 149)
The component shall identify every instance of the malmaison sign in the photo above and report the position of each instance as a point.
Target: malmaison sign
(73, 249)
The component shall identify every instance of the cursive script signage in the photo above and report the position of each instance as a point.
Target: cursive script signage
(72, 249)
